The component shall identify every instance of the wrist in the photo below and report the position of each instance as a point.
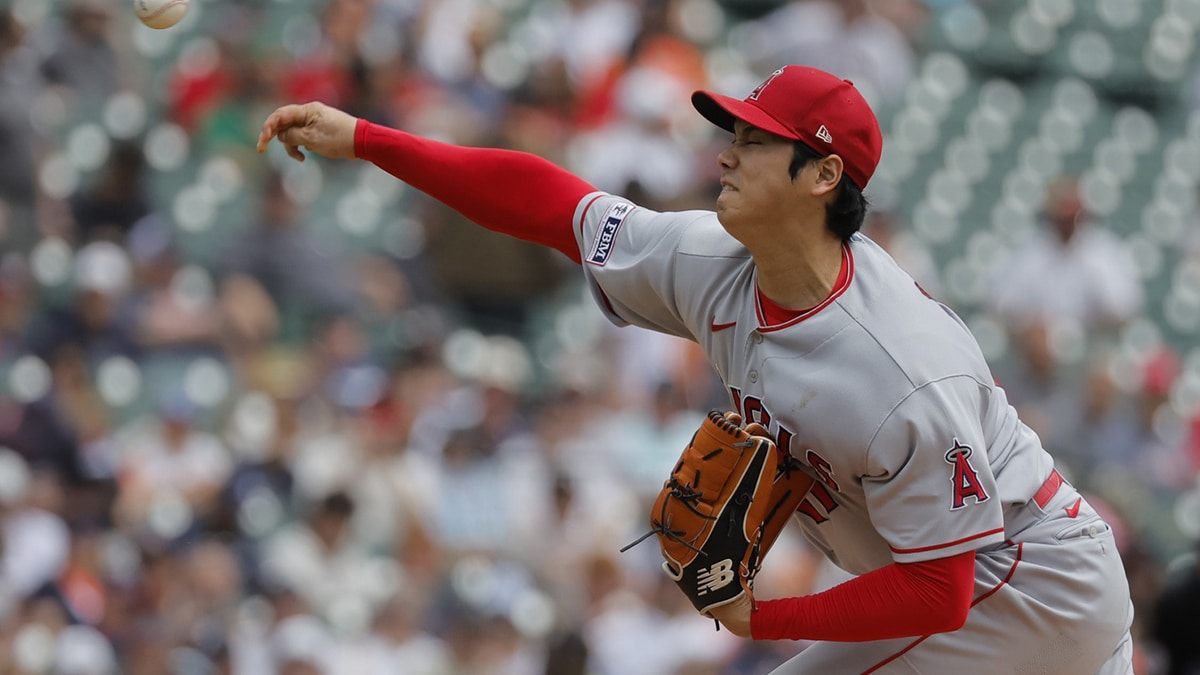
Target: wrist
(360, 138)
(761, 620)
(736, 616)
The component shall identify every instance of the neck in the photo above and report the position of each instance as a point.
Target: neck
(801, 273)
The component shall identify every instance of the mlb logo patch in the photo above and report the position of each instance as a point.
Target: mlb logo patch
(606, 234)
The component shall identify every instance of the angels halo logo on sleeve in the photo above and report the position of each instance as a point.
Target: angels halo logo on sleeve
(964, 478)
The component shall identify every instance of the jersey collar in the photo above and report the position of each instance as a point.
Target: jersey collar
(773, 317)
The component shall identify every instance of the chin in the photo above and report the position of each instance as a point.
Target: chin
(722, 205)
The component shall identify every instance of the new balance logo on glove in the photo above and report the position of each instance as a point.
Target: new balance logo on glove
(726, 500)
(714, 578)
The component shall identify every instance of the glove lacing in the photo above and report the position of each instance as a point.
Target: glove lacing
(689, 496)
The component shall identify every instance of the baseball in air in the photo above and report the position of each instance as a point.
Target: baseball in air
(160, 13)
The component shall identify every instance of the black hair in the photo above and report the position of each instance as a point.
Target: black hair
(844, 215)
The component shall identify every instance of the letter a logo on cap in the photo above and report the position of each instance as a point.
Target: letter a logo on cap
(759, 89)
(824, 134)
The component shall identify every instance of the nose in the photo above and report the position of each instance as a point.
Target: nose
(726, 158)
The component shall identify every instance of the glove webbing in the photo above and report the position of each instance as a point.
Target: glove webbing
(689, 496)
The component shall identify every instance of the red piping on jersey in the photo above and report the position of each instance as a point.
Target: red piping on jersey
(922, 549)
(607, 303)
(583, 216)
(843, 282)
(974, 602)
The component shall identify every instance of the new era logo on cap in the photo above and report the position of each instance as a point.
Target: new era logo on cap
(808, 105)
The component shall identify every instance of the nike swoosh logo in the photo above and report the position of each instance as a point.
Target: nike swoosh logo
(717, 327)
(1073, 510)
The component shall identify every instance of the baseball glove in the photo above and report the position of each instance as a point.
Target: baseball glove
(722, 508)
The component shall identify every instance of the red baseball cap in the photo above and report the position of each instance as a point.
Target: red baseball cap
(817, 108)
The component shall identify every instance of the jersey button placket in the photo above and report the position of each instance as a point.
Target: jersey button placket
(755, 339)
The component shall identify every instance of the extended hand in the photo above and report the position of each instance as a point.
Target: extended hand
(319, 128)
(735, 616)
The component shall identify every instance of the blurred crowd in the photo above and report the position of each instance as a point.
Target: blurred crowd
(278, 452)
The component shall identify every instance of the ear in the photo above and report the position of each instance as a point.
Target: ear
(829, 175)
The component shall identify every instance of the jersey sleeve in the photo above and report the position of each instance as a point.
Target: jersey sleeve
(929, 485)
(661, 271)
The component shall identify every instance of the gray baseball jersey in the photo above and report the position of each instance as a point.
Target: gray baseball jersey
(880, 391)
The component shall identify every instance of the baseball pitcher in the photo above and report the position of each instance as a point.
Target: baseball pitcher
(971, 553)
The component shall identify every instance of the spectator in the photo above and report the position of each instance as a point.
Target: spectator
(629, 141)
(1073, 271)
(214, 583)
(320, 558)
(846, 37)
(652, 434)
(95, 319)
(591, 36)
(19, 84)
(636, 152)
(1037, 382)
(18, 301)
(491, 494)
(1104, 431)
(298, 643)
(65, 422)
(302, 277)
(460, 255)
(1177, 611)
(567, 655)
(216, 91)
(1163, 457)
(396, 642)
(203, 82)
(174, 309)
(1070, 284)
(168, 465)
(255, 500)
(82, 59)
(117, 199)
(36, 540)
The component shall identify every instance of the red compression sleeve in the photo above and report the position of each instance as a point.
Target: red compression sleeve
(900, 600)
(517, 193)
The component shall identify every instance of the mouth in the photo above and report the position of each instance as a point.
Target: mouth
(727, 186)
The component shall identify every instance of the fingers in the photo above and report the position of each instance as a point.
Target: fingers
(278, 123)
(269, 129)
(293, 151)
(312, 126)
(752, 428)
(264, 135)
(756, 429)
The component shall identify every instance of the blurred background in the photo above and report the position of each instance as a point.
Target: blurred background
(264, 417)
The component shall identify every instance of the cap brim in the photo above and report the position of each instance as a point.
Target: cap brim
(724, 110)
